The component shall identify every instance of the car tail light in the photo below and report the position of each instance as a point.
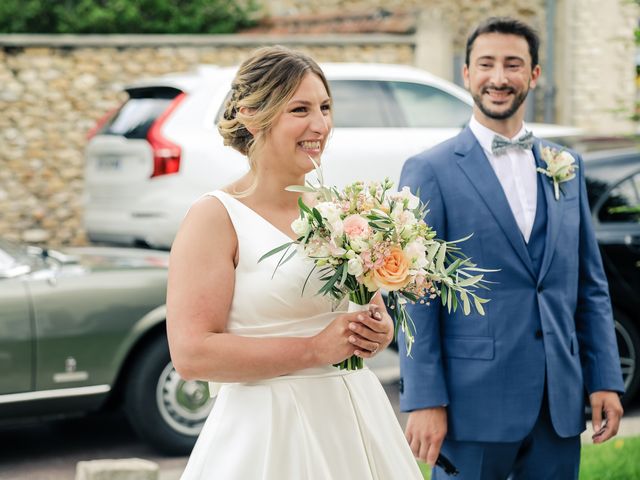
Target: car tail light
(166, 154)
(101, 122)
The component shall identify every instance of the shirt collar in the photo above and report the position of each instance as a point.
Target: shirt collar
(485, 135)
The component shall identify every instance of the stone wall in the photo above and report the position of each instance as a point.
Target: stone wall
(596, 64)
(54, 89)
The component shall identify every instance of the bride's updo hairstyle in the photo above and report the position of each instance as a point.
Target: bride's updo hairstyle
(265, 82)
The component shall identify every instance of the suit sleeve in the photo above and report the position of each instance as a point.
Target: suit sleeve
(423, 380)
(594, 319)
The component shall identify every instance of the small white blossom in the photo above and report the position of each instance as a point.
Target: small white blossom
(300, 226)
(354, 267)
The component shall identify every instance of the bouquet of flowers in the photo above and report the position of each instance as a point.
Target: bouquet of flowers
(368, 237)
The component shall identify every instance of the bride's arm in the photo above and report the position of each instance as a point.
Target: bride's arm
(199, 295)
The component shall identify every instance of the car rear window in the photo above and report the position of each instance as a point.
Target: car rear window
(361, 104)
(424, 106)
(137, 114)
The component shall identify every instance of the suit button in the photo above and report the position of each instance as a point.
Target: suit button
(401, 385)
(540, 288)
(538, 334)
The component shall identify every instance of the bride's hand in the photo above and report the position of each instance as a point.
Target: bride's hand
(362, 333)
(373, 332)
(338, 340)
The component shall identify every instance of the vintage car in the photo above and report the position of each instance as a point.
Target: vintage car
(84, 330)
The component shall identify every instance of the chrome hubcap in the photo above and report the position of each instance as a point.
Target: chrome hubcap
(184, 405)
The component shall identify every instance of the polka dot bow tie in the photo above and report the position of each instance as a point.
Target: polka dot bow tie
(501, 144)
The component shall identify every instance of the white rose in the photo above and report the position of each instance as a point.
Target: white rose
(300, 226)
(354, 267)
(330, 211)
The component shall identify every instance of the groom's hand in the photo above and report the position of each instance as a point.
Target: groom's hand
(425, 433)
(606, 412)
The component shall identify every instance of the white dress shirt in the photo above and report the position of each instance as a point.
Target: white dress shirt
(516, 172)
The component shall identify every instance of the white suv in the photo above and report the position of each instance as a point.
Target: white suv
(150, 160)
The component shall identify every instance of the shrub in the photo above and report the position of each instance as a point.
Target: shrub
(126, 16)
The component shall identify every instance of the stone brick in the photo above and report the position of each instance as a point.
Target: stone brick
(121, 469)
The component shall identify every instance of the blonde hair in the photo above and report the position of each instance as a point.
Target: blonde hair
(263, 85)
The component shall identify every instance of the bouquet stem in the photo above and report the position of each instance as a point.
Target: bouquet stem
(358, 301)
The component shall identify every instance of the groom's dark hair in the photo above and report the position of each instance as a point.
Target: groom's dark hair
(507, 26)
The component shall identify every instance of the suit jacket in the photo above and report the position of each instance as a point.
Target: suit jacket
(549, 326)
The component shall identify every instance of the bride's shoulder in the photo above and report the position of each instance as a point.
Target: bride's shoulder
(208, 215)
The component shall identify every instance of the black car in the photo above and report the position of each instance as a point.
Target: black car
(612, 169)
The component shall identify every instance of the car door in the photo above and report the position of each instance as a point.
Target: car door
(378, 124)
(617, 216)
(16, 329)
(618, 232)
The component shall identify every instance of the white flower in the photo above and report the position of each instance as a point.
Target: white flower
(358, 244)
(416, 254)
(332, 214)
(405, 195)
(403, 218)
(329, 211)
(300, 226)
(335, 250)
(317, 248)
(354, 267)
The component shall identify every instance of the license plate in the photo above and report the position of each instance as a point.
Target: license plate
(108, 163)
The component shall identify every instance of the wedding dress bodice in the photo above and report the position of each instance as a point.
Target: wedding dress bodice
(269, 301)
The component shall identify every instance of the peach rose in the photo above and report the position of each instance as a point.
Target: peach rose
(355, 226)
(394, 272)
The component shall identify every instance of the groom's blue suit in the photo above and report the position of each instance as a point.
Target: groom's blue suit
(549, 319)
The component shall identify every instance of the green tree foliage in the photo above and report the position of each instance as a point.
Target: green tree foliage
(126, 16)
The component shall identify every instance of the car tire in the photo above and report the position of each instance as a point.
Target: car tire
(629, 347)
(165, 410)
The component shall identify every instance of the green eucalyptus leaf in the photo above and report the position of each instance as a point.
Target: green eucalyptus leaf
(300, 189)
(275, 250)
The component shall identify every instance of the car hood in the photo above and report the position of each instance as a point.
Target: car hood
(111, 258)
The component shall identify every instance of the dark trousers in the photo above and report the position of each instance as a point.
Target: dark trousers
(541, 455)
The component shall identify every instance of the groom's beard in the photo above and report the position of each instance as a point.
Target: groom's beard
(518, 99)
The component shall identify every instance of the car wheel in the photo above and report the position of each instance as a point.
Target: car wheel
(629, 348)
(165, 410)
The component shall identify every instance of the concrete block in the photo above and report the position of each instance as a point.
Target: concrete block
(119, 469)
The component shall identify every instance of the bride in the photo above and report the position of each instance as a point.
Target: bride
(282, 411)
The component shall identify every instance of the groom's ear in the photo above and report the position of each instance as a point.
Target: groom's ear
(535, 74)
(465, 75)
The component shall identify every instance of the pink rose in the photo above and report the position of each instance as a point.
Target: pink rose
(355, 226)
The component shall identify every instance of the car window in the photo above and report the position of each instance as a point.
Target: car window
(424, 106)
(137, 114)
(360, 104)
(623, 202)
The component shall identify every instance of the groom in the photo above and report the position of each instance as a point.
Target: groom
(503, 394)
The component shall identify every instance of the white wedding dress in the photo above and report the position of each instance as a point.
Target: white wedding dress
(314, 424)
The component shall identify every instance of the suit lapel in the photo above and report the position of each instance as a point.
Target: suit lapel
(477, 168)
(555, 209)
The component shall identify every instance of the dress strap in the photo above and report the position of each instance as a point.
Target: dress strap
(235, 209)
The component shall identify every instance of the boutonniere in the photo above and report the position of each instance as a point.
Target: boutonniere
(561, 167)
